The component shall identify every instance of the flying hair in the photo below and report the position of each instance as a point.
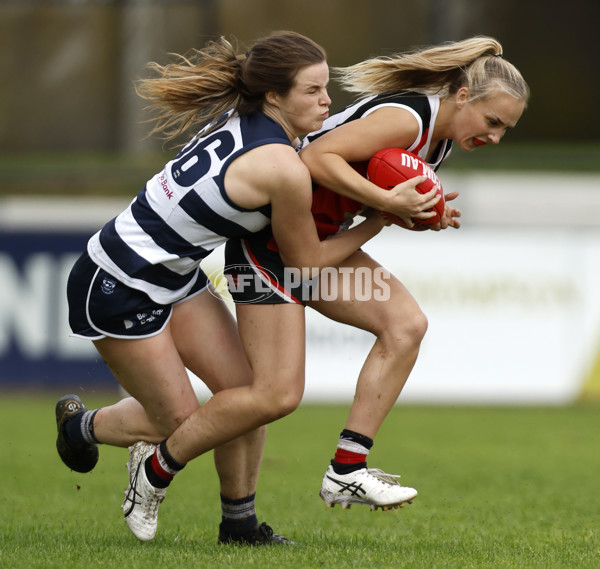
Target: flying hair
(201, 87)
(476, 63)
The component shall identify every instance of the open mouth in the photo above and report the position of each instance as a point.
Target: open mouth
(479, 142)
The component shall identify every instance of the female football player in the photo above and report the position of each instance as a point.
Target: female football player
(462, 93)
(139, 294)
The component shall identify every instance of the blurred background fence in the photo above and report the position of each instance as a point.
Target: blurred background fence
(518, 309)
(69, 65)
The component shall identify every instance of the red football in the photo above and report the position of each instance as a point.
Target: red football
(392, 166)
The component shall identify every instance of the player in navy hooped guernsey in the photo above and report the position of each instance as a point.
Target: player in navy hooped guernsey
(139, 294)
(184, 213)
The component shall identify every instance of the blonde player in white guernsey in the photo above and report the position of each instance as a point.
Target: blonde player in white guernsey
(462, 93)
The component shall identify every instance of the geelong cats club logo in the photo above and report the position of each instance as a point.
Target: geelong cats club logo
(108, 286)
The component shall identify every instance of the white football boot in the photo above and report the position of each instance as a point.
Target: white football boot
(367, 486)
(141, 498)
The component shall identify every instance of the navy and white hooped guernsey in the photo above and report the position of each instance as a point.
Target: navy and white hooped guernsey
(183, 213)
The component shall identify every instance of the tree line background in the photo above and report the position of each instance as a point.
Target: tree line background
(70, 65)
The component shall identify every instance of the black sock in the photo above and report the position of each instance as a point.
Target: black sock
(353, 436)
(161, 467)
(339, 468)
(238, 516)
(79, 429)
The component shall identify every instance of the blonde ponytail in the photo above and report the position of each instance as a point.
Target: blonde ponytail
(476, 63)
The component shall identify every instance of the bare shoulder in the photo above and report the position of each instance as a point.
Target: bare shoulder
(276, 164)
(264, 174)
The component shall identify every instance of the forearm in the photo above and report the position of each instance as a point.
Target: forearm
(334, 250)
(334, 173)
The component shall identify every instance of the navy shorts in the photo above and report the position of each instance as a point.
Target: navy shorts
(256, 274)
(100, 305)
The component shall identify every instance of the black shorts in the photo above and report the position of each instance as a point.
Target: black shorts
(256, 274)
(100, 305)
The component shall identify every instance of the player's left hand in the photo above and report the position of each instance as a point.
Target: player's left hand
(451, 214)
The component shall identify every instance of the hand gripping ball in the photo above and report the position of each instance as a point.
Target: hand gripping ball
(392, 166)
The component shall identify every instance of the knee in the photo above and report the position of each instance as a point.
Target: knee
(406, 329)
(165, 426)
(166, 423)
(287, 403)
(277, 403)
(418, 325)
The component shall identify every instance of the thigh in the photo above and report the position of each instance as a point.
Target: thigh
(151, 370)
(206, 336)
(367, 296)
(273, 337)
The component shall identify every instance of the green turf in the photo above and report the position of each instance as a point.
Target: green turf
(498, 488)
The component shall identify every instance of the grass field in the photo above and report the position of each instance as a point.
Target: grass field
(498, 488)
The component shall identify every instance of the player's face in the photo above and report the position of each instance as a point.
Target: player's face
(304, 108)
(485, 121)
